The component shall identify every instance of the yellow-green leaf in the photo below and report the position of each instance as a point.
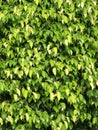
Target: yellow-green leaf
(24, 92)
(54, 71)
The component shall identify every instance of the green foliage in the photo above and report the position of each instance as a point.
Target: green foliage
(48, 64)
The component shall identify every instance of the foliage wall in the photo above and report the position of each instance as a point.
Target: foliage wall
(48, 64)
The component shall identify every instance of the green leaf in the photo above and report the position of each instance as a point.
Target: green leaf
(95, 120)
(24, 92)
(36, 1)
(74, 118)
(30, 43)
(63, 127)
(55, 50)
(10, 119)
(15, 97)
(66, 71)
(64, 19)
(67, 90)
(59, 3)
(52, 62)
(72, 98)
(1, 121)
(58, 95)
(26, 70)
(18, 91)
(66, 124)
(52, 95)
(27, 116)
(54, 71)
(30, 73)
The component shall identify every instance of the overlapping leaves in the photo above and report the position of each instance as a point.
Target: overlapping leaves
(48, 64)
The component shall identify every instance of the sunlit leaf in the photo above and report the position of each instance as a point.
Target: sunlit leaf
(54, 71)
(24, 92)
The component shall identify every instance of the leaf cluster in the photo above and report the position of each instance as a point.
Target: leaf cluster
(48, 65)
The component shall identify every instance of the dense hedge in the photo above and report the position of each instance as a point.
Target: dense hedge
(49, 64)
